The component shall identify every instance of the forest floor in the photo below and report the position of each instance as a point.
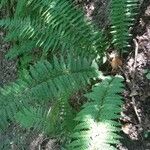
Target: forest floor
(135, 116)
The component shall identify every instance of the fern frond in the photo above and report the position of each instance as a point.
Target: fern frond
(57, 26)
(122, 17)
(147, 72)
(6, 2)
(8, 104)
(61, 118)
(3, 2)
(97, 128)
(57, 119)
(33, 117)
(21, 9)
(23, 48)
(19, 28)
(44, 82)
(68, 22)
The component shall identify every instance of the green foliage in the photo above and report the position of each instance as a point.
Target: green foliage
(55, 121)
(32, 117)
(148, 75)
(6, 2)
(97, 125)
(54, 26)
(42, 84)
(122, 16)
(57, 48)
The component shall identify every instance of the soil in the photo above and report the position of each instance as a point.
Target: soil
(135, 115)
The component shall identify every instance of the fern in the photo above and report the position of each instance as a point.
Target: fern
(32, 117)
(23, 46)
(122, 17)
(57, 26)
(6, 2)
(43, 83)
(97, 128)
(55, 121)
(57, 31)
(147, 72)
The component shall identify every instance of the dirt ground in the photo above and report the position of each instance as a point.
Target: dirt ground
(135, 115)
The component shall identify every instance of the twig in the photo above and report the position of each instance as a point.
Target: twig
(133, 91)
(131, 87)
(135, 57)
(135, 109)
